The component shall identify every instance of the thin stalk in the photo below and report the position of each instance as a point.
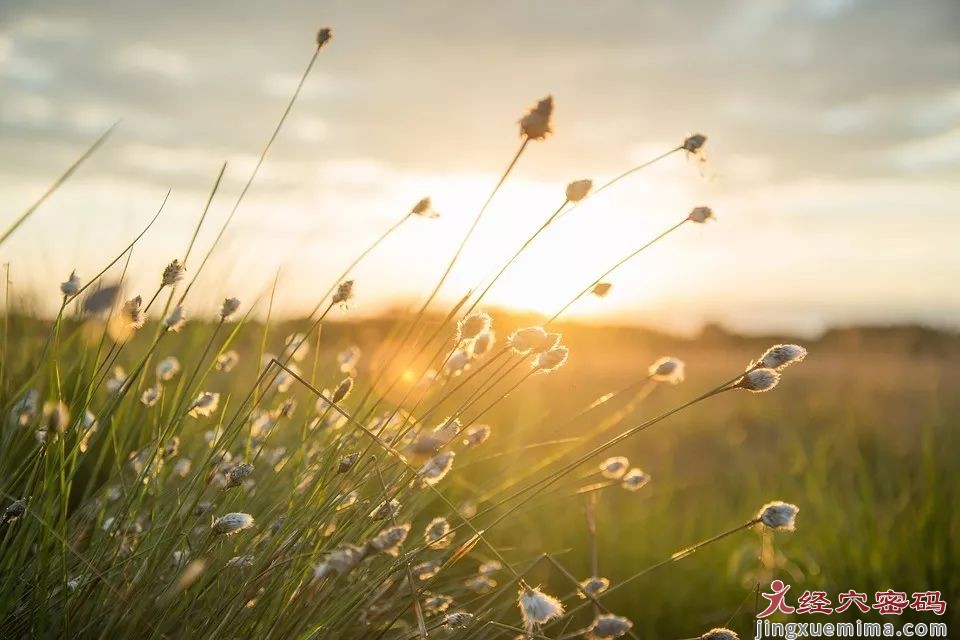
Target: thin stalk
(58, 183)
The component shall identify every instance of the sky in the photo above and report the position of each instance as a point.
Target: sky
(833, 152)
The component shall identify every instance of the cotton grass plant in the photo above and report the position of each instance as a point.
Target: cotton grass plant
(150, 488)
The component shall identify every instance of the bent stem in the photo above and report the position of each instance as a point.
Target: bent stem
(616, 266)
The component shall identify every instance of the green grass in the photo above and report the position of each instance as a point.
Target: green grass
(859, 436)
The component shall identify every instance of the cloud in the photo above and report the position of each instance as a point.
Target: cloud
(152, 60)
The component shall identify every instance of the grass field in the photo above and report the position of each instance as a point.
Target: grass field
(861, 436)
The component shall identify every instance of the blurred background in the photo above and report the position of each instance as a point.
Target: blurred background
(833, 126)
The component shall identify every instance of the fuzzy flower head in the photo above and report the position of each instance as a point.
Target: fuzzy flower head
(340, 562)
(437, 534)
(457, 620)
(150, 396)
(634, 480)
(390, 539)
(436, 468)
(239, 473)
(204, 404)
(537, 608)
(14, 510)
(458, 362)
(384, 510)
(227, 360)
(719, 634)
(532, 340)
(779, 516)
(173, 273)
(344, 294)
(613, 468)
(133, 313)
(229, 307)
(701, 215)
(781, 356)
(758, 380)
(437, 438)
(667, 369)
(473, 325)
(56, 417)
(551, 360)
(536, 123)
(424, 209)
(342, 390)
(694, 143)
(324, 36)
(483, 343)
(72, 286)
(232, 523)
(175, 319)
(476, 435)
(593, 586)
(608, 625)
(578, 190)
(167, 368)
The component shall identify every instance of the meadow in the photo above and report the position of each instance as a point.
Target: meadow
(452, 473)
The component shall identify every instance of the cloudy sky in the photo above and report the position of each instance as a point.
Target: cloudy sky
(833, 152)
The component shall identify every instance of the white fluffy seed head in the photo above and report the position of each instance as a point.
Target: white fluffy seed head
(536, 607)
(614, 467)
(781, 356)
(232, 523)
(227, 360)
(167, 368)
(551, 360)
(437, 534)
(536, 124)
(173, 273)
(779, 516)
(634, 480)
(668, 369)
(457, 620)
(473, 325)
(436, 468)
(229, 307)
(204, 404)
(758, 380)
(578, 190)
(593, 586)
(532, 340)
(340, 561)
(239, 473)
(133, 313)
(344, 293)
(701, 215)
(150, 396)
(608, 625)
(175, 319)
(476, 435)
(72, 285)
(389, 540)
(720, 634)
